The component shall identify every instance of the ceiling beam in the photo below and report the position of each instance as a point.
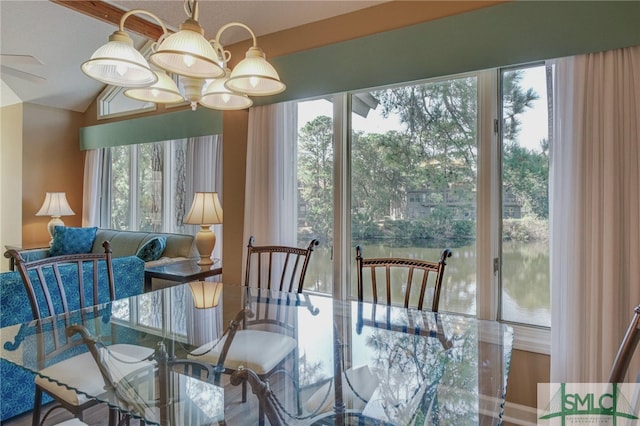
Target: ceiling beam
(109, 13)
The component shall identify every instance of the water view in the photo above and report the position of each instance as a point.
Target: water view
(525, 277)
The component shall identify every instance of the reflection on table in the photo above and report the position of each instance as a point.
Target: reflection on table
(391, 365)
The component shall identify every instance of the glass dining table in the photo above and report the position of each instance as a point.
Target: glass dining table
(351, 360)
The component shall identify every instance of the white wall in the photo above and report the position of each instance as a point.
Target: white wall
(11, 118)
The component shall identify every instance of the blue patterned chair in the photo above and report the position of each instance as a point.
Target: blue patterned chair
(17, 385)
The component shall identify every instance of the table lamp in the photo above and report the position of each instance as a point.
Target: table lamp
(55, 205)
(206, 294)
(205, 211)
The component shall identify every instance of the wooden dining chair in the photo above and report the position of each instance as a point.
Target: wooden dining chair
(57, 286)
(389, 276)
(264, 340)
(277, 267)
(626, 350)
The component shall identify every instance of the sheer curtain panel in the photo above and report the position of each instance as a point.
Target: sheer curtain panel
(94, 162)
(595, 212)
(270, 200)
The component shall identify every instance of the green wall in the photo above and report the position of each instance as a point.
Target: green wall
(506, 34)
(174, 125)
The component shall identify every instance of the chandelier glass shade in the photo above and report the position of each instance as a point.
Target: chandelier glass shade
(163, 91)
(217, 96)
(199, 64)
(188, 53)
(119, 63)
(254, 75)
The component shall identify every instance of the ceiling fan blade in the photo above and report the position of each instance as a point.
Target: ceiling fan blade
(9, 59)
(22, 74)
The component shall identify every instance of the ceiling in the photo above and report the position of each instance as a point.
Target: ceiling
(61, 39)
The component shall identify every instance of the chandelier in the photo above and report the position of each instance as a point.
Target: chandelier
(200, 64)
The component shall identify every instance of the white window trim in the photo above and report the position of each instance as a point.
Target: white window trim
(530, 338)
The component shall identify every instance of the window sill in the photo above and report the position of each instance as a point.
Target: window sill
(531, 339)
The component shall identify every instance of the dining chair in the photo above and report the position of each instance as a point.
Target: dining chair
(277, 267)
(394, 275)
(264, 339)
(52, 293)
(626, 350)
(146, 381)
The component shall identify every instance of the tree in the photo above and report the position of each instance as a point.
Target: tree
(435, 152)
(526, 174)
(315, 175)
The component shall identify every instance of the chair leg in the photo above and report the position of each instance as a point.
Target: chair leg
(37, 407)
(113, 417)
(260, 414)
(244, 391)
(296, 382)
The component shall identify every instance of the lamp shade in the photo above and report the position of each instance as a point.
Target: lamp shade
(205, 294)
(55, 204)
(205, 210)
(188, 53)
(164, 91)
(217, 96)
(119, 63)
(255, 76)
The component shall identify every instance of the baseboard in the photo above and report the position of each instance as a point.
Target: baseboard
(517, 414)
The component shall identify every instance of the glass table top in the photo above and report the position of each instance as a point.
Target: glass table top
(390, 365)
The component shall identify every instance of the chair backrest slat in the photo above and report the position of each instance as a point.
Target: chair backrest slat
(283, 266)
(407, 288)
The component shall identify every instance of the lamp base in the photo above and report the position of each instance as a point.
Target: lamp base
(205, 242)
(51, 226)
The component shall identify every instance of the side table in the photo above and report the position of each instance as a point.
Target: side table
(180, 272)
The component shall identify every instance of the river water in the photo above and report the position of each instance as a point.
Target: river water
(525, 277)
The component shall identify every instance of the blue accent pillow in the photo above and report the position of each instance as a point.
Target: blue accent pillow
(152, 249)
(67, 240)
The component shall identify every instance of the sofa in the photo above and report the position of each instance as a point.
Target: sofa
(16, 385)
(128, 243)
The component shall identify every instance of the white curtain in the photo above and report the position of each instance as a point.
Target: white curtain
(204, 174)
(595, 212)
(92, 190)
(270, 193)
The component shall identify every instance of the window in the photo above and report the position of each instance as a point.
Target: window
(409, 167)
(138, 187)
(315, 188)
(113, 103)
(150, 186)
(525, 292)
(418, 139)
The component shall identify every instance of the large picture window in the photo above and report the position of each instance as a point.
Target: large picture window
(412, 175)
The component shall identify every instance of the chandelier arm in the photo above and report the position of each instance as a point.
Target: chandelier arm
(236, 24)
(165, 32)
(191, 9)
(223, 55)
